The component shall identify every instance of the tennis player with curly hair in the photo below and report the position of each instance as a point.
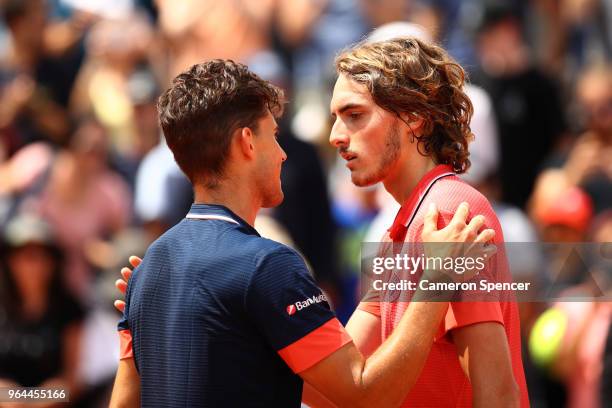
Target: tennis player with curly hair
(401, 117)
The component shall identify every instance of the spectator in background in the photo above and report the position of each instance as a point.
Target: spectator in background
(451, 22)
(142, 90)
(587, 164)
(163, 193)
(199, 30)
(583, 327)
(577, 33)
(36, 75)
(564, 218)
(40, 322)
(116, 49)
(75, 191)
(526, 102)
(84, 201)
(331, 25)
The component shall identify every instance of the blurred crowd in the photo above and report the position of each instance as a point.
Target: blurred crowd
(86, 178)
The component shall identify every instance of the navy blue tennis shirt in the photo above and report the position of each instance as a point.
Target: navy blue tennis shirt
(218, 316)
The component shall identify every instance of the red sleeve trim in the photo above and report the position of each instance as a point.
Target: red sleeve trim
(370, 307)
(125, 344)
(315, 346)
(461, 314)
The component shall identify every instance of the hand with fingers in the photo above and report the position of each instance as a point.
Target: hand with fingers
(121, 284)
(458, 239)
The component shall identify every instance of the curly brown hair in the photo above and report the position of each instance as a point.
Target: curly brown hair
(204, 106)
(409, 76)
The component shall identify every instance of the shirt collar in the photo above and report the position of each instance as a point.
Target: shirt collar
(411, 205)
(222, 212)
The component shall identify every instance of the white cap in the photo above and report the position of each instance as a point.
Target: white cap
(398, 29)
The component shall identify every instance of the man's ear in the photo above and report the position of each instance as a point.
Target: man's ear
(245, 143)
(414, 122)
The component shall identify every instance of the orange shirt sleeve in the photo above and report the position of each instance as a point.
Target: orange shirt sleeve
(125, 345)
(315, 346)
(370, 307)
(461, 314)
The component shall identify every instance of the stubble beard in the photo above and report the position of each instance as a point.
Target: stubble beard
(389, 156)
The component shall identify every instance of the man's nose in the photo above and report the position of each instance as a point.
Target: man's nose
(338, 137)
(283, 155)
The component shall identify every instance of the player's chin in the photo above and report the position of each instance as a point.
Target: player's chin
(274, 200)
(362, 180)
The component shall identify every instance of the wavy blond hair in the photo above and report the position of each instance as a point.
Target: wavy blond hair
(409, 76)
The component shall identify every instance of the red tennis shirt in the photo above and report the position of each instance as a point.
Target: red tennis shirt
(442, 382)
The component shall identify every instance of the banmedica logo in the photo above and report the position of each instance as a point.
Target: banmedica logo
(303, 304)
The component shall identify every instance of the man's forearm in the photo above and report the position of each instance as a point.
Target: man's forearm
(126, 391)
(484, 355)
(389, 373)
(508, 396)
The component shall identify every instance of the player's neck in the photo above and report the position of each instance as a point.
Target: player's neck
(238, 200)
(410, 170)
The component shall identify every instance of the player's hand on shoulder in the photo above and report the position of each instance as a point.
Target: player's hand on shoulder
(121, 284)
(459, 238)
